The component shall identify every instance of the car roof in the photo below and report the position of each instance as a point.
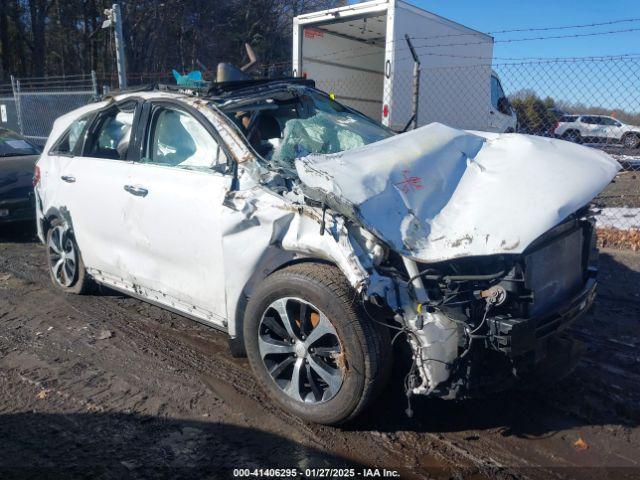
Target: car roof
(217, 92)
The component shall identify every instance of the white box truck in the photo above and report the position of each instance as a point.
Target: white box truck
(360, 53)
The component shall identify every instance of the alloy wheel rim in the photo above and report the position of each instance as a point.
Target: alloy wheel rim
(300, 349)
(63, 259)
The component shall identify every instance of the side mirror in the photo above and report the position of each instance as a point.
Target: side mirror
(504, 106)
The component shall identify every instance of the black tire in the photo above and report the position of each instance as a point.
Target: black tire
(572, 136)
(631, 140)
(365, 344)
(81, 283)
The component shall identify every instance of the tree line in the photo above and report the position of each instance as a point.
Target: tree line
(539, 116)
(64, 37)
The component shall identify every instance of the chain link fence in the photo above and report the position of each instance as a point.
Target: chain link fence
(29, 106)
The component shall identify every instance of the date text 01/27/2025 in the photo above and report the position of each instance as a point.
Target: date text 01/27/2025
(315, 473)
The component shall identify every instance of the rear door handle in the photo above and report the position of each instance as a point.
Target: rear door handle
(136, 190)
(68, 178)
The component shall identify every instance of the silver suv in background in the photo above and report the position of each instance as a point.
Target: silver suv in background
(597, 128)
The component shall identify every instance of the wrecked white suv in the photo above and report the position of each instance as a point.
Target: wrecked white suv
(312, 235)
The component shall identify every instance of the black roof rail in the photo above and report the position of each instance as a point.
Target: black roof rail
(216, 89)
(222, 88)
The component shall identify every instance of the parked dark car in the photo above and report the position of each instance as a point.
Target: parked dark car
(17, 160)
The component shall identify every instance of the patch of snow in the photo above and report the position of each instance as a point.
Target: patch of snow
(622, 218)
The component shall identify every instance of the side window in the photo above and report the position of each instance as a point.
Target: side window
(608, 121)
(177, 139)
(67, 143)
(111, 135)
(495, 92)
(589, 120)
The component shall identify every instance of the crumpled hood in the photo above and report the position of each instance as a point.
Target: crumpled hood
(437, 193)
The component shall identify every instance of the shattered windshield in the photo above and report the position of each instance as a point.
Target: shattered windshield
(290, 125)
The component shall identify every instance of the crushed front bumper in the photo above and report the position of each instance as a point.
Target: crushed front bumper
(517, 337)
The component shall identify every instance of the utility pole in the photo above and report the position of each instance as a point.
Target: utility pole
(114, 19)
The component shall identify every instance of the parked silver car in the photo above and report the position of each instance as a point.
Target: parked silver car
(312, 235)
(597, 128)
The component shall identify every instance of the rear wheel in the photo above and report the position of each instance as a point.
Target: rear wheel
(66, 268)
(631, 140)
(311, 347)
(573, 136)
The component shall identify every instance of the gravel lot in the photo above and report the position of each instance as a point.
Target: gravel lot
(106, 386)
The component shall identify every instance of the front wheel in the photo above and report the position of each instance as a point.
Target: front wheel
(631, 140)
(310, 345)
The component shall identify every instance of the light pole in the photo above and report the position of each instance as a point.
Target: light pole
(114, 19)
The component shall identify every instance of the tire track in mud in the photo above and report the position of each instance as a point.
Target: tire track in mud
(198, 352)
(201, 351)
(197, 360)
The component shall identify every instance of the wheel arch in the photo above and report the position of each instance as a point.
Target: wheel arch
(236, 341)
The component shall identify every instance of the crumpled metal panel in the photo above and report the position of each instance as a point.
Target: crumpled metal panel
(438, 193)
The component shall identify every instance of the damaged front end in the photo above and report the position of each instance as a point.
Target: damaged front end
(493, 249)
(479, 247)
(486, 322)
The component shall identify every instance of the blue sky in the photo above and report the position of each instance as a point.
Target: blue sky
(492, 15)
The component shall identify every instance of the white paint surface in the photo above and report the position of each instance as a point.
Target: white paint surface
(437, 193)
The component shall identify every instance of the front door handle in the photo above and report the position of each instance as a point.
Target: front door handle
(136, 190)
(68, 178)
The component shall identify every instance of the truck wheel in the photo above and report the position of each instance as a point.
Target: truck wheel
(311, 347)
(572, 136)
(631, 140)
(66, 268)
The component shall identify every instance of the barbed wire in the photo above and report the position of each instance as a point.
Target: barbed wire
(527, 60)
(461, 44)
(566, 27)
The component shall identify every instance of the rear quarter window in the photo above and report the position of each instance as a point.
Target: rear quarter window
(568, 118)
(68, 141)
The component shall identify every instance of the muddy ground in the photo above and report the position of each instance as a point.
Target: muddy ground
(106, 386)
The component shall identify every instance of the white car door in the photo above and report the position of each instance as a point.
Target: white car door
(94, 198)
(613, 130)
(176, 193)
(589, 127)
